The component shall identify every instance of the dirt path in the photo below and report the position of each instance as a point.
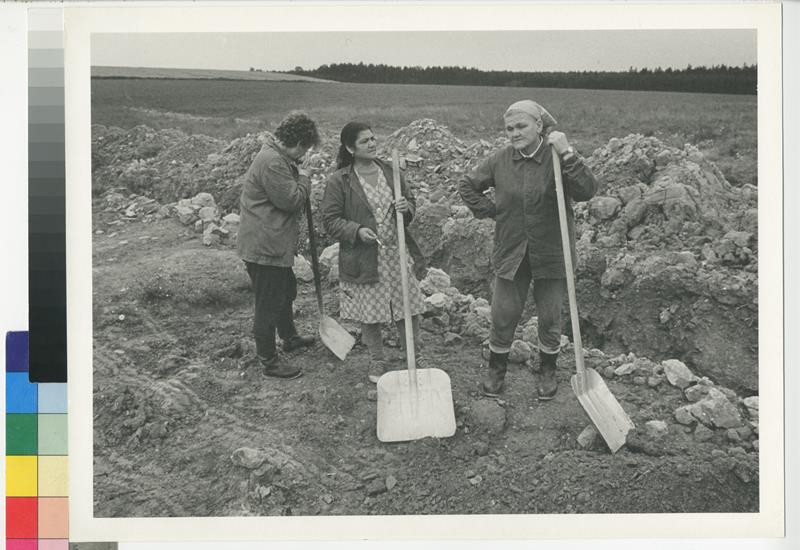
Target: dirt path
(177, 392)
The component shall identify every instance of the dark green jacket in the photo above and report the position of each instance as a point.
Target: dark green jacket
(272, 201)
(345, 209)
(525, 208)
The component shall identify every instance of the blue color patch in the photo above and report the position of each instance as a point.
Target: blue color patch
(17, 351)
(21, 395)
(52, 398)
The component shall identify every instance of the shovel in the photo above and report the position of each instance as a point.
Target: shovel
(596, 399)
(332, 334)
(415, 403)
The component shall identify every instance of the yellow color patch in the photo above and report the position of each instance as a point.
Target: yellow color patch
(21, 476)
(53, 476)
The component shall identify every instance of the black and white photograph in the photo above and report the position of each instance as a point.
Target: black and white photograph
(425, 272)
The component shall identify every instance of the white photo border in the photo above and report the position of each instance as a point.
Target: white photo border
(81, 22)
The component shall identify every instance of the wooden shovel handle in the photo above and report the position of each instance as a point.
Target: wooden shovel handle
(401, 242)
(312, 245)
(565, 245)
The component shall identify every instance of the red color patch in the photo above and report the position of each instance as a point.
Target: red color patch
(21, 516)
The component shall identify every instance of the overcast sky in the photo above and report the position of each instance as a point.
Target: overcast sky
(499, 50)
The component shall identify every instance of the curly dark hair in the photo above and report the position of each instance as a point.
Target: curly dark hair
(297, 129)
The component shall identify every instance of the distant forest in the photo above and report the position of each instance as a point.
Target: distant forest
(717, 79)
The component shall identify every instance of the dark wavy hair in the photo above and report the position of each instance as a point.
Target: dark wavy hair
(348, 138)
(297, 129)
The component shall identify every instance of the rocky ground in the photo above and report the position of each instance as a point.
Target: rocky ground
(186, 425)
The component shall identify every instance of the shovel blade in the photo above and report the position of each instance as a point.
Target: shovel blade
(603, 409)
(335, 337)
(406, 413)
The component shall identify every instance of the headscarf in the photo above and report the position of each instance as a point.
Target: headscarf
(535, 110)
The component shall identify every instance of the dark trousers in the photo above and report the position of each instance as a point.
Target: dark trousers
(275, 289)
(508, 301)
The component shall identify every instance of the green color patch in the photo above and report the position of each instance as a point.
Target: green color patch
(52, 434)
(21, 434)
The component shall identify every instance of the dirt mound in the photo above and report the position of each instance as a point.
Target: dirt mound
(668, 253)
(434, 158)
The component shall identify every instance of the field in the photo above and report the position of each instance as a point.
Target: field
(724, 127)
(185, 423)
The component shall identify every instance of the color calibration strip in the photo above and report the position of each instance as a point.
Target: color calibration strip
(47, 298)
(37, 512)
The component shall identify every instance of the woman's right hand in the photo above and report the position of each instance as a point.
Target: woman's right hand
(367, 235)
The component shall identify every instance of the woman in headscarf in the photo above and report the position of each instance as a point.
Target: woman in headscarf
(527, 243)
(358, 210)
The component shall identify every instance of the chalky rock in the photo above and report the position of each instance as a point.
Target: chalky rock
(530, 332)
(715, 410)
(520, 352)
(185, 214)
(302, 269)
(435, 281)
(624, 370)
(231, 219)
(439, 302)
(604, 208)
(330, 259)
(751, 403)
(678, 374)
(248, 458)
(203, 200)
(696, 392)
(207, 213)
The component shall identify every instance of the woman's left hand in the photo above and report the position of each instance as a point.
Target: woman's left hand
(402, 205)
(559, 142)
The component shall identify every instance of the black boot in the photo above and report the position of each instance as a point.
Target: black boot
(276, 367)
(548, 384)
(296, 342)
(492, 383)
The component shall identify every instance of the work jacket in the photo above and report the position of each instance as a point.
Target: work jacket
(345, 209)
(525, 208)
(273, 197)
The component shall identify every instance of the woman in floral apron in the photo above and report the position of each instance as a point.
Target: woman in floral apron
(359, 210)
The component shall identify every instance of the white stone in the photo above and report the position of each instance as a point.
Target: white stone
(203, 199)
(330, 255)
(185, 214)
(231, 219)
(520, 352)
(439, 302)
(716, 410)
(302, 269)
(678, 374)
(530, 332)
(207, 213)
(435, 281)
(751, 403)
(624, 370)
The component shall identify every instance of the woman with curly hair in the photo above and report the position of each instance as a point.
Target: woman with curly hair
(358, 210)
(274, 193)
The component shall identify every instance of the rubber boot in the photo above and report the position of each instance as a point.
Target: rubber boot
(493, 382)
(548, 384)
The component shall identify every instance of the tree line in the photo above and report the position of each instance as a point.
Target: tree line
(714, 79)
